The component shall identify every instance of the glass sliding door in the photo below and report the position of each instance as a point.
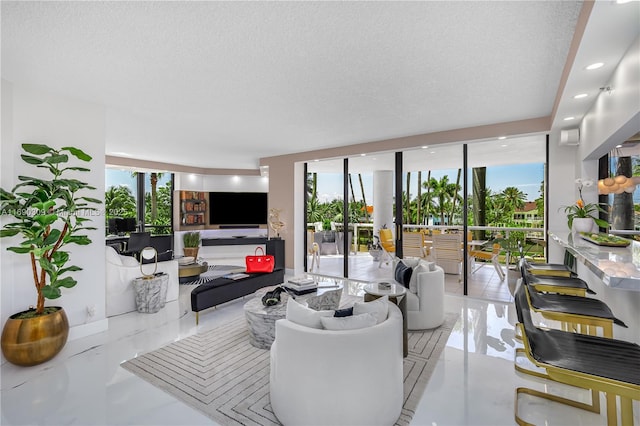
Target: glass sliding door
(371, 206)
(505, 211)
(433, 179)
(158, 202)
(325, 212)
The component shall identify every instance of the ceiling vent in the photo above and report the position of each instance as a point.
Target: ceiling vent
(570, 137)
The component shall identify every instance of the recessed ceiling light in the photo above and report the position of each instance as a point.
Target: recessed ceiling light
(432, 152)
(569, 118)
(425, 147)
(501, 138)
(580, 96)
(595, 66)
(363, 155)
(504, 145)
(618, 146)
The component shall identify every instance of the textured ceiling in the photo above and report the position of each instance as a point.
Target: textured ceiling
(222, 84)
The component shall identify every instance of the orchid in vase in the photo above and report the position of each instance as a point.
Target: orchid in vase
(584, 210)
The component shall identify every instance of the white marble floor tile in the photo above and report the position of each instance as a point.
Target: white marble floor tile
(473, 384)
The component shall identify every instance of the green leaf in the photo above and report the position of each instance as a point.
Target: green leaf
(9, 232)
(6, 196)
(44, 206)
(69, 269)
(78, 153)
(19, 250)
(91, 200)
(29, 159)
(81, 240)
(56, 159)
(60, 257)
(78, 169)
(45, 219)
(36, 149)
(52, 237)
(51, 292)
(66, 282)
(46, 265)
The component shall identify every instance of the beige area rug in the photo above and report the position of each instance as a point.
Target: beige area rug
(220, 374)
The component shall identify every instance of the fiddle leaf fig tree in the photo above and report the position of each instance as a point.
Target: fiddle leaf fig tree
(49, 215)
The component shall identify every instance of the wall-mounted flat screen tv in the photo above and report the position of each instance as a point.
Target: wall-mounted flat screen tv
(238, 208)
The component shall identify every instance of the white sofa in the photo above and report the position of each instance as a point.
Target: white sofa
(121, 270)
(346, 377)
(425, 296)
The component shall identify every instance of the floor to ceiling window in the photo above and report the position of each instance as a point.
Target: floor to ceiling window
(142, 199)
(504, 184)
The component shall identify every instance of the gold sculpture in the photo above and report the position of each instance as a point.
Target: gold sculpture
(274, 221)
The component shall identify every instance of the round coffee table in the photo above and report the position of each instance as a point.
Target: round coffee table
(261, 320)
(192, 271)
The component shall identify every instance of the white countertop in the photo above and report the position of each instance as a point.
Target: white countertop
(618, 267)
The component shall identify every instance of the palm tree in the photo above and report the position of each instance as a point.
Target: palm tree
(442, 193)
(153, 180)
(479, 199)
(514, 198)
(426, 202)
(364, 201)
(119, 202)
(455, 195)
(418, 198)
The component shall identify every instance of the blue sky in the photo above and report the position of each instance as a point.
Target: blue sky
(526, 177)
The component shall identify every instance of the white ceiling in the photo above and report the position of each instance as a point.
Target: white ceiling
(222, 84)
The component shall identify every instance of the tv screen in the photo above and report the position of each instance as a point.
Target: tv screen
(237, 208)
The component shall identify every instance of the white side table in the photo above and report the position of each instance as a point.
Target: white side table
(151, 293)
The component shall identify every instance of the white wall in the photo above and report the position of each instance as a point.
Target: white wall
(615, 116)
(29, 115)
(230, 183)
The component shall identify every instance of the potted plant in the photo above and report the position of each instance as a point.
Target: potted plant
(328, 235)
(581, 215)
(48, 215)
(191, 244)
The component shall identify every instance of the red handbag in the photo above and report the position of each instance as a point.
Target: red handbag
(260, 263)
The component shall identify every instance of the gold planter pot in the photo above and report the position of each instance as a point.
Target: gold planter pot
(191, 252)
(33, 341)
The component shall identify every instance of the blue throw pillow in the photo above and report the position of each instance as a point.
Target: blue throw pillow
(346, 312)
(403, 274)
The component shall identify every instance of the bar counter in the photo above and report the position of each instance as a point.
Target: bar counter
(618, 267)
(612, 272)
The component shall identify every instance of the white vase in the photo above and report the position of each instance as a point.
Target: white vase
(583, 224)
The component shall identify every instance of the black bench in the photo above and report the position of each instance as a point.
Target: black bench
(221, 290)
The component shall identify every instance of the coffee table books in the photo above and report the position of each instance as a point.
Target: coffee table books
(301, 285)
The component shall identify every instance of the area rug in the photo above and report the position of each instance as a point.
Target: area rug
(213, 272)
(220, 374)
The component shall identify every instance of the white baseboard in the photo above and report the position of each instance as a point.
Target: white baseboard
(84, 330)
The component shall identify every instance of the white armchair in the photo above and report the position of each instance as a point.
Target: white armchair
(121, 270)
(425, 295)
(346, 377)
